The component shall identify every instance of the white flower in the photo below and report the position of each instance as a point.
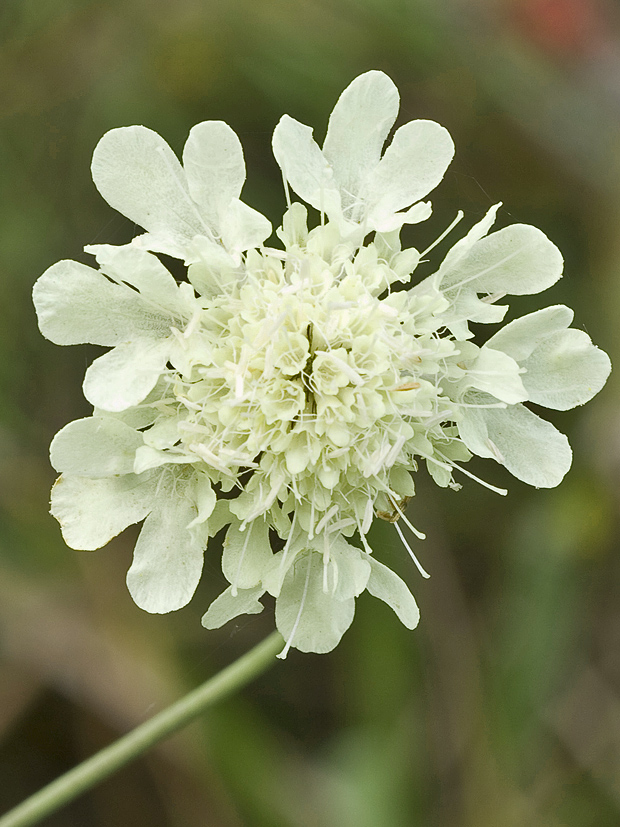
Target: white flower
(289, 393)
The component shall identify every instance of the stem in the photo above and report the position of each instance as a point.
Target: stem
(130, 746)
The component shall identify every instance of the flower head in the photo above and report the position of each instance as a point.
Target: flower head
(289, 393)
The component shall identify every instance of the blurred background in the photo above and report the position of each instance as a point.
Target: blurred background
(503, 707)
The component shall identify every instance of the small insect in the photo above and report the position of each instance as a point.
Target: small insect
(397, 508)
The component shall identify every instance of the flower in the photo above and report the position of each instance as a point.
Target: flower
(287, 394)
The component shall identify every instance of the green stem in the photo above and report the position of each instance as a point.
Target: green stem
(130, 746)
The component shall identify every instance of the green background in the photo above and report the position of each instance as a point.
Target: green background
(503, 707)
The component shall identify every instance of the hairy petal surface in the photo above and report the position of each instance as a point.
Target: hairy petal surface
(215, 169)
(388, 586)
(566, 370)
(138, 174)
(307, 617)
(167, 560)
(246, 554)
(76, 304)
(97, 446)
(413, 165)
(92, 511)
(126, 375)
(304, 166)
(562, 367)
(530, 448)
(144, 271)
(358, 128)
(517, 260)
(228, 606)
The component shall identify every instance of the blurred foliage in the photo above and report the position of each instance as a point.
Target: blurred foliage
(503, 708)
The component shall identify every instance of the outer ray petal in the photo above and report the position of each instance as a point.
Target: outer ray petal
(462, 247)
(530, 448)
(126, 375)
(522, 336)
(358, 128)
(138, 174)
(227, 606)
(348, 571)
(168, 559)
(566, 370)
(131, 265)
(388, 586)
(214, 166)
(412, 166)
(308, 618)
(92, 511)
(562, 367)
(97, 446)
(247, 554)
(76, 304)
(243, 227)
(494, 372)
(518, 260)
(304, 166)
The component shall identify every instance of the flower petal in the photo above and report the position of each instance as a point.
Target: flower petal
(497, 373)
(388, 586)
(138, 174)
(126, 375)
(247, 554)
(76, 304)
(565, 370)
(459, 250)
(413, 165)
(205, 499)
(211, 269)
(304, 166)
(227, 606)
(394, 221)
(530, 448)
(148, 458)
(168, 558)
(308, 618)
(348, 570)
(215, 169)
(92, 511)
(243, 227)
(518, 260)
(358, 126)
(563, 367)
(97, 446)
(129, 264)
(522, 336)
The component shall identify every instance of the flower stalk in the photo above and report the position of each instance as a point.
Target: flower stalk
(143, 737)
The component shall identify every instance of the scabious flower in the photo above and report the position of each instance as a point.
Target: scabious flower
(288, 393)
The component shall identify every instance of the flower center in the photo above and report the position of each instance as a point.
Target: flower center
(303, 376)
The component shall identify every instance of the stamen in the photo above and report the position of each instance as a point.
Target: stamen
(450, 463)
(422, 571)
(287, 193)
(458, 218)
(325, 518)
(289, 642)
(287, 545)
(243, 550)
(362, 534)
(397, 508)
